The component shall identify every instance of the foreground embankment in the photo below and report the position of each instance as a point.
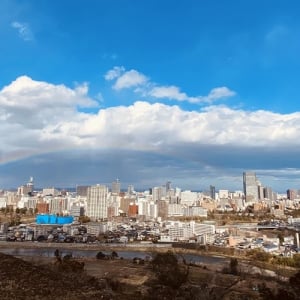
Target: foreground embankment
(215, 259)
(91, 246)
(135, 249)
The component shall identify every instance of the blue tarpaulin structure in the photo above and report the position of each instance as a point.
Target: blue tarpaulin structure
(54, 219)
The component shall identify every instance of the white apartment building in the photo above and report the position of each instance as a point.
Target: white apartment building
(147, 207)
(3, 201)
(12, 199)
(223, 194)
(202, 229)
(250, 183)
(22, 202)
(82, 201)
(175, 210)
(76, 210)
(180, 231)
(153, 210)
(58, 205)
(178, 192)
(236, 194)
(239, 203)
(188, 198)
(96, 228)
(157, 193)
(143, 207)
(50, 191)
(113, 200)
(97, 202)
(31, 202)
(113, 209)
(196, 211)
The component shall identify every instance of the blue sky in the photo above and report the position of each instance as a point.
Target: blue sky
(194, 92)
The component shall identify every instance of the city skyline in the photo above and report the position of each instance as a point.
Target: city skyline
(195, 93)
(253, 189)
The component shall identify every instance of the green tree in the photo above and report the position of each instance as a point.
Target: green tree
(296, 258)
(260, 255)
(84, 219)
(233, 266)
(280, 237)
(168, 271)
(23, 210)
(295, 281)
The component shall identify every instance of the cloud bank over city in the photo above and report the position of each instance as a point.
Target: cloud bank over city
(90, 93)
(148, 139)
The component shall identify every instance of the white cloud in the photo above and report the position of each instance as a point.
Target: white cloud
(114, 73)
(277, 33)
(170, 92)
(217, 93)
(42, 117)
(144, 87)
(24, 30)
(36, 104)
(130, 79)
(112, 56)
(31, 94)
(173, 92)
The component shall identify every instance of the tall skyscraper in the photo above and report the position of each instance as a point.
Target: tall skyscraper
(291, 194)
(97, 202)
(26, 189)
(268, 193)
(81, 190)
(130, 189)
(30, 184)
(157, 193)
(250, 187)
(116, 187)
(162, 207)
(168, 186)
(212, 192)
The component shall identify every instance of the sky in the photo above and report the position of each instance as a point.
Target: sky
(192, 92)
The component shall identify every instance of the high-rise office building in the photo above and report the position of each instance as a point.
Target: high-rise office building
(97, 202)
(168, 186)
(124, 204)
(157, 193)
(30, 184)
(268, 193)
(58, 205)
(26, 189)
(116, 187)
(212, 192)
(162, 207)
(130, 189)
(291, 194)
(250, 187)
(81, 190)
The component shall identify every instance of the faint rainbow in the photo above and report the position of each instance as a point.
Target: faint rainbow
(13, 156)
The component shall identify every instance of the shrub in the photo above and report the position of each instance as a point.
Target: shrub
(168, 271)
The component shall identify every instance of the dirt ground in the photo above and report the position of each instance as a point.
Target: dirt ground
(121, 279)
(133, 277)
(124, 270)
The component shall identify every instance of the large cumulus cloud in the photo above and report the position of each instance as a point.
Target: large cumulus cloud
(39, 117)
